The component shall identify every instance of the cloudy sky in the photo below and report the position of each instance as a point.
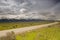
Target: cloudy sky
(30, 9)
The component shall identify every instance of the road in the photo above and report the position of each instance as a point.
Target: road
(22, 30)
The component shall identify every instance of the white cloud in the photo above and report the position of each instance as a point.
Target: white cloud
(23, 10)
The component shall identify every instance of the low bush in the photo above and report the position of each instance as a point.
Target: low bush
(9, 36)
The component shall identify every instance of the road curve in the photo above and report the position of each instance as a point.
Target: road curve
(21, 30)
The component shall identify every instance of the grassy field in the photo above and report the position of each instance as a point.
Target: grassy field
(11, 25)
(48, 33)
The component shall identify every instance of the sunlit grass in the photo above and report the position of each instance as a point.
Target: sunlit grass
(48, 33)
(11, 25)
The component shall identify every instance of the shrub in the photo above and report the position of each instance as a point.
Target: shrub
(9, 36)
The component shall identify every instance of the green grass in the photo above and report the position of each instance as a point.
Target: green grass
(48, 33)
(11, 25)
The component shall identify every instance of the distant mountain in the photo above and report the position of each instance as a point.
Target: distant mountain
(22, 20)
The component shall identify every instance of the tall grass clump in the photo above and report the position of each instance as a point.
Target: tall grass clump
(9, 36)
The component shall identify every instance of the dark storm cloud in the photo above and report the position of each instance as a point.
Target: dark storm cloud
(39, 4)
(14, 7)
(19, 1)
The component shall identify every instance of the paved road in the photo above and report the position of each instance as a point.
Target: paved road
(21, 30)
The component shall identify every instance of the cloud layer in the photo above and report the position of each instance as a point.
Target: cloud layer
(30, 9)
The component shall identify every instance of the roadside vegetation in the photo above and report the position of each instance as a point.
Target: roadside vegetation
(12, 25)
(47, 33)
(9, 36)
